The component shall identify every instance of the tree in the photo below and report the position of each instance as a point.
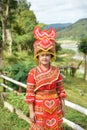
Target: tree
(23, 28)
(3, 32)
(11, 5)
(20, 32)
(82, 47)
(5, 18)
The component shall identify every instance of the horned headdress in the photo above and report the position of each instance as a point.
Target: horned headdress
(44, 42)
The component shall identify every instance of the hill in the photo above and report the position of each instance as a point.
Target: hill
(57, 26)
(74, 31)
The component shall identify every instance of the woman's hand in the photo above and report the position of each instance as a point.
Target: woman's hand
(32, 113)
(63, 107)
(32, 116)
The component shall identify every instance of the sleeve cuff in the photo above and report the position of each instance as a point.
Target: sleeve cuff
(62, 95)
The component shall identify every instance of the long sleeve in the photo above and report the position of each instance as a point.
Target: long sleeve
(60, 88)
(30, 96)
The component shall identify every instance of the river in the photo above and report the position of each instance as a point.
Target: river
(73, 46)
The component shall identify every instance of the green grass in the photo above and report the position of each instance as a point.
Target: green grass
(10, 121)
(76, 89)
(76, 117)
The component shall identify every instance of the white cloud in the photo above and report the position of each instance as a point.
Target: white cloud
(59, 11)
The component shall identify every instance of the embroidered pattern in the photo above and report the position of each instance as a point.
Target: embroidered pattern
(47, 77)
(47, 104)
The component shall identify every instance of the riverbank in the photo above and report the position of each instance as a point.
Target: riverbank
(73, 45)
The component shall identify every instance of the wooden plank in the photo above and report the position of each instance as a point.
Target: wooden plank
(72, 125)
(13, 81)
(21, 115)
(76, 107)
(9, 106)
(14, 91)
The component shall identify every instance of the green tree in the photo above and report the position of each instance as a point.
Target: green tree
(82, 46)
(17, 24)
(23, 27)
(6, 16)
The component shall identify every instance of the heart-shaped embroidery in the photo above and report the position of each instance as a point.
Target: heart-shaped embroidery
(51, 122)
(50, 103)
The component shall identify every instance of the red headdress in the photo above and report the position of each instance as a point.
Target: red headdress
(45, 42)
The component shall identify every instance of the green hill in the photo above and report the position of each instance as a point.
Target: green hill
(76, 30)
(57, 26)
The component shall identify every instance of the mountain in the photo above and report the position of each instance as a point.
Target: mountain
(57, 26)
(74, 31)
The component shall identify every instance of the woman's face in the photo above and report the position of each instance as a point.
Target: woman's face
(44, 59)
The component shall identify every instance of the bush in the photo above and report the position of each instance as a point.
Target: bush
(19, 71)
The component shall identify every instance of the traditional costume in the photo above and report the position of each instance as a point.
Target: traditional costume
(45, 89)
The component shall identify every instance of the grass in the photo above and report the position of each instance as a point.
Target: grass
(10, 121)
(76, 89)
(76, 117)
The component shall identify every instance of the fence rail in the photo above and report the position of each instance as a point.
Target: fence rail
(13, 81)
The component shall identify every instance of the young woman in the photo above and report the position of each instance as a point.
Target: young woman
(45, 90)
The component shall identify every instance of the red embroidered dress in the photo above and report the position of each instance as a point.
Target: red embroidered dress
(45, 90)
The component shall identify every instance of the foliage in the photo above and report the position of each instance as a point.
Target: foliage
(17, 66)
(82, 46)
(23, 27)
(18, 102)
(22, 5)
(58, 47)
(8, 15)
(7, 9)
(10, 60)
(20, 70)
(20, 20)
(0, 36)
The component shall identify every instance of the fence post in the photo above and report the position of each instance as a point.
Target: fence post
(20, 89)
(4, 81)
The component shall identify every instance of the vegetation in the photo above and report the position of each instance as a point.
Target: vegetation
(76, 89)
(76, 117)
(82, 46)
(6, 17)
(10, 121)
(17, 24)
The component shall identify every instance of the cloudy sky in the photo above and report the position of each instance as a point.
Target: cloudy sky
(59, 11)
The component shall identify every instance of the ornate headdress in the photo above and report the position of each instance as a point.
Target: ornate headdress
(44, 42)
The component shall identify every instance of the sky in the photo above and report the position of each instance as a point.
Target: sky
(59, 11)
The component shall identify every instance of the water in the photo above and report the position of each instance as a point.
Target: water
(74, 47)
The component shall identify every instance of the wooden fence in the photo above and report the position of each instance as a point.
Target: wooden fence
(20, 113)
